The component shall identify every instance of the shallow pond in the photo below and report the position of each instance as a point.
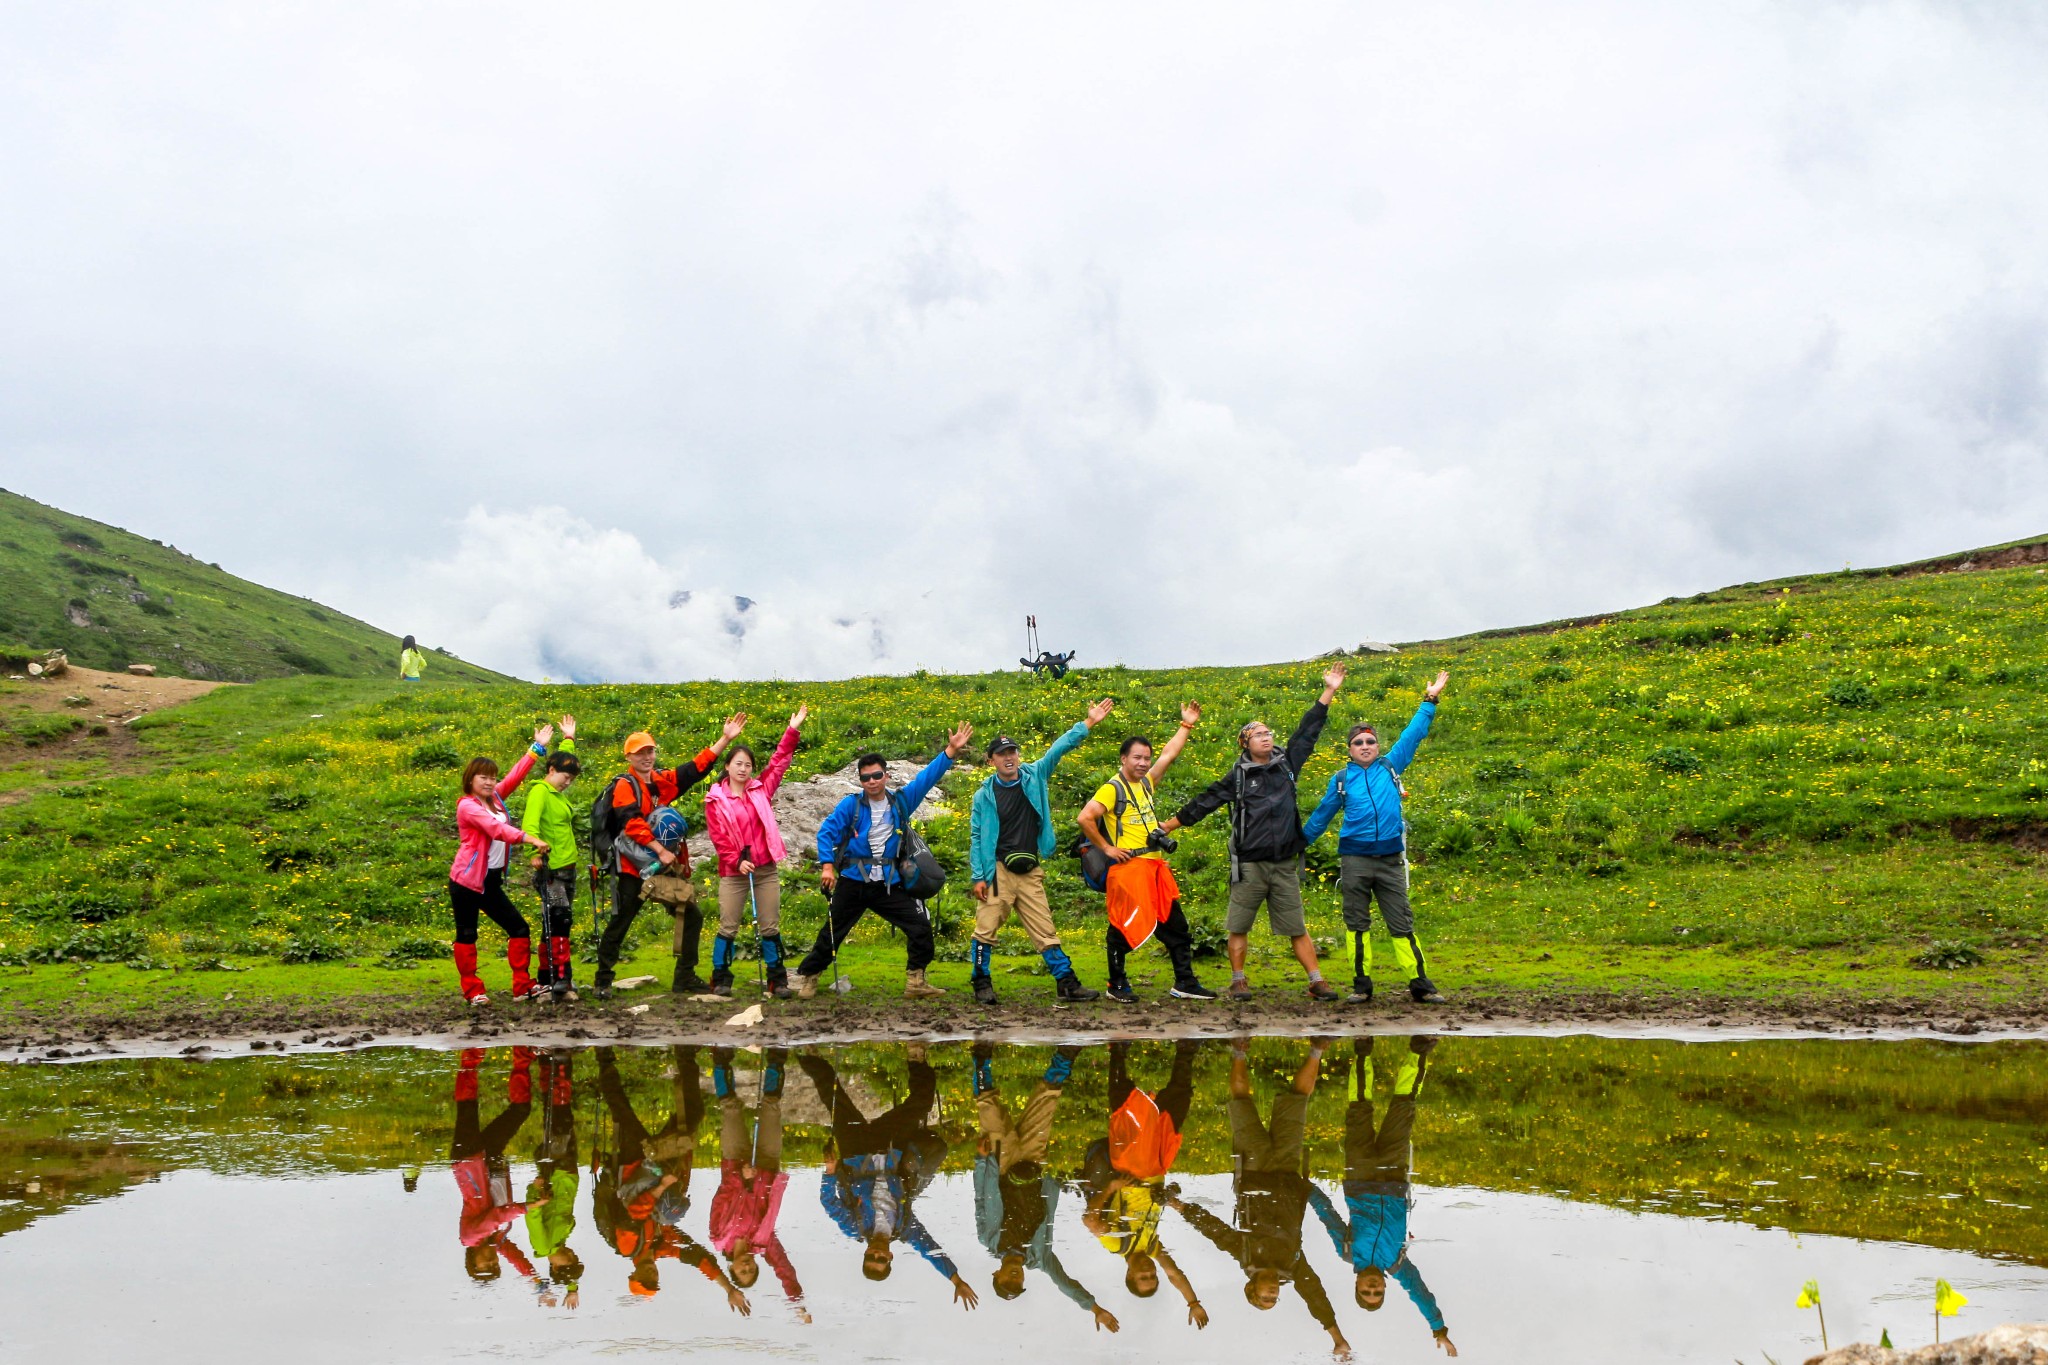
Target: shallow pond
(1519, 1199)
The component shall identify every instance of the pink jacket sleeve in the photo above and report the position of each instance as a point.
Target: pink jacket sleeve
(779, 764)
(509, 783)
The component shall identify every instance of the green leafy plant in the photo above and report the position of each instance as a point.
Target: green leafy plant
(1947, 955)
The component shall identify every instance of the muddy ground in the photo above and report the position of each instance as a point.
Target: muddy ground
(651, 1015)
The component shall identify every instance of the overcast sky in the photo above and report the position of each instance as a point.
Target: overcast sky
(1211, 334)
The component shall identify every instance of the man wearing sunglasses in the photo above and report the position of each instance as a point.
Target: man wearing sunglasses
(860, 838)
(1373, 848)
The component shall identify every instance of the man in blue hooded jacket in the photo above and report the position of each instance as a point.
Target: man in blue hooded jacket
(862, 839)
(1373, 848)
(1010, 836)
(1377, 1162)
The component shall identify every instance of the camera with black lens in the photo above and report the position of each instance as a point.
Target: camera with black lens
(1159, 841)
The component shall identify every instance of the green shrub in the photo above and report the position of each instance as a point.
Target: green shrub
(429, 757)
(312, 948)
(1551, 673)
(1501, 770)
(1851, 691)
(1683, 762)
(1518, 825)
(1947, 955)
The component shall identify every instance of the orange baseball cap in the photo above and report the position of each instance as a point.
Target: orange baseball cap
(639, 739)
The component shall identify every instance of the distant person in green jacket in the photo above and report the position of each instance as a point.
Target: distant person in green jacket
(410, 660)
(550, 818)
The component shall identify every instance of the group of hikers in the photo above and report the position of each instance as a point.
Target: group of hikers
(878, 1172)
(871, 860)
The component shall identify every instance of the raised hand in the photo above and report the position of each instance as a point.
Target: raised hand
(1104, 1318)
(737, 1301)
(1443, 1341)
(734, 723)
(796, 722)
(1190, 712)
(543, 735)
(964, 1295)
(1333, 677)
(1099, 712)
(1436, 689)
(1198, 1315)
(568, 727)
(957, 741)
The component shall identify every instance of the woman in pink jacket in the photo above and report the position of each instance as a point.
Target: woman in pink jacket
(476, 879)
(739, 816)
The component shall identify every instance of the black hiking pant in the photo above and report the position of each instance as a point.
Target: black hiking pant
(1174, 1100)
(850, 900)
(470, 906)
(626, 908)
(686, 1114)
(1173, 933)
(896, 1130)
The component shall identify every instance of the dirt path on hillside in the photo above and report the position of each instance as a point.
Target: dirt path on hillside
(106, 704)
(325, 1025)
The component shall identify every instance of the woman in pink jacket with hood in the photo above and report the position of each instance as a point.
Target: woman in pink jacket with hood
(476, 879)
(739, 816)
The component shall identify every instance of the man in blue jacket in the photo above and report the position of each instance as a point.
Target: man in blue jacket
(1373, 848)
(860, 838)
(1377, 1188)
(1009, 839)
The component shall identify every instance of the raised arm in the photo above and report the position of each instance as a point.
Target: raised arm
(1190, 716)
(1197, 1314)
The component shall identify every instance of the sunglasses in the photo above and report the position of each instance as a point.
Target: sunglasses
(1366, 739)
(875, 777)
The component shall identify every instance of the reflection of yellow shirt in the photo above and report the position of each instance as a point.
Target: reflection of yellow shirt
(1133, 1215)
(1139, 817)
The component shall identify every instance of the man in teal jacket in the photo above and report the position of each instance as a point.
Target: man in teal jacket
(1373, 848)
(1010, 835)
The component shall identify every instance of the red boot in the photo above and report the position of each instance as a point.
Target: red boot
(465, 1074)
(558, 951)
(465, 968)
(562, 1095)
(519, 1089)
(518, 951)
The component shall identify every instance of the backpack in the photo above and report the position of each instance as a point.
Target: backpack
(604, 824)
(1095, 863)
(918, 870)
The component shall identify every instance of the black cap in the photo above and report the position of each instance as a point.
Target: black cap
(1000, 743)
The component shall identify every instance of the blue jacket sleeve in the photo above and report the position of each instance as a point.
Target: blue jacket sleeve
(1410, 1279)
(1061, 747)
(1403, 752)
(1064, 1282)
(836, 1206)
(922, 1242)
(981, 833)
(1340, 1235)
(832, 833)
(988, 1204)
(917, 788)
(1327, 809)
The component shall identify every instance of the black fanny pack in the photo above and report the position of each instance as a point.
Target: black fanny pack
(1020, 862)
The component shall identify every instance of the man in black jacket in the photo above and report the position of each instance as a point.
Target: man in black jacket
(1265, 838)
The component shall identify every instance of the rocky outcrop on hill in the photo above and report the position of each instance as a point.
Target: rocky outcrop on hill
(800, 807)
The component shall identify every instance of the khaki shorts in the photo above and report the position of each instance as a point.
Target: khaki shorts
(732, 902)
(1023, 892)
(1278, 885)
(1274, 1148)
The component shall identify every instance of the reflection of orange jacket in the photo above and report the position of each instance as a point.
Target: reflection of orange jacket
(1142, 1139)
(1141, 893)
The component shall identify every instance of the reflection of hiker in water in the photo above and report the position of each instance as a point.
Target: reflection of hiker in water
(482, 1174)
(751, 1181)
(643, 1187)
(551, 1195)
(1272, 1190)
(874, 1168)
(1376, 1187)
(1015, 1200)
(1126, 1172)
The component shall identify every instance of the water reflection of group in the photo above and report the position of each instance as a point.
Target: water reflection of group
(875, 1171)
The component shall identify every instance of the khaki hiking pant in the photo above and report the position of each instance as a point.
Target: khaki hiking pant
(732, 902)
(1269, 1149)
(1029, 1135)
(1023, 892)
(763, 1150)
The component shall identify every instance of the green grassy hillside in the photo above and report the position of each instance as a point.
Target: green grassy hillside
(1847, 771)
(110, 598)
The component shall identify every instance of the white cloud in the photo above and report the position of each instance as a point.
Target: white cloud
(1207, 336)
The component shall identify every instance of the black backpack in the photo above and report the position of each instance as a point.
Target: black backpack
(605, 825)
(1095, 863)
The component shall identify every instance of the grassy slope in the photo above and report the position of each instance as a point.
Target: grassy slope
(148, 603)
(1748, 792)
(1806, 1136)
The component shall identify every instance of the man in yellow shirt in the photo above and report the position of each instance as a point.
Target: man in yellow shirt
(1141, 896)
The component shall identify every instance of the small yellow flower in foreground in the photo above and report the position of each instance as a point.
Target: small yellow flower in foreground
(1946, 1300)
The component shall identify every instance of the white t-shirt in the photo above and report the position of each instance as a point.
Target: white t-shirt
(881, 824)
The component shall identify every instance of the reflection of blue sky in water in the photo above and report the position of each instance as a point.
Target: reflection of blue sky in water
(196, 1267)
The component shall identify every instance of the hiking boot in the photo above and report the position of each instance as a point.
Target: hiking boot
(687, 982)
(806, 986)
(568, 996)
(479, 1000)
(1322, 990)
(915, 987)
(1239, 992)
(984, 990)
(1361, 992)
(1121, 992)
(780, 991)
(1072, 991)
(1191, 989)
(1425, 992)
(723, 988)
(539, 994)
